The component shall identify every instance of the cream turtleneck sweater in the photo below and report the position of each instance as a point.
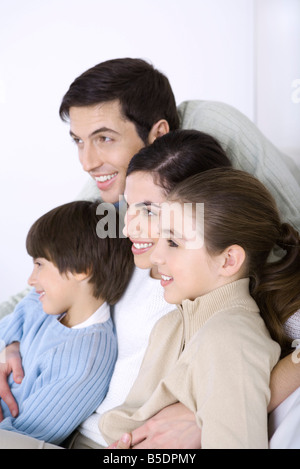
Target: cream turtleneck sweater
(215, 356)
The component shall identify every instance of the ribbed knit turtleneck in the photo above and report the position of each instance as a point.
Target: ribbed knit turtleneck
(197, 312)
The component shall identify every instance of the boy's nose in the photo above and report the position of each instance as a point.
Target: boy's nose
(31, 279)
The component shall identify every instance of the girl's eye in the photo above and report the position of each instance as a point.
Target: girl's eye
(172, 244)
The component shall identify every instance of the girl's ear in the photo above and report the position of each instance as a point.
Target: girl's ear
(233, 260)
(159, 129)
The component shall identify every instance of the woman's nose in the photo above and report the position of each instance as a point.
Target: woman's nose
(157, 256)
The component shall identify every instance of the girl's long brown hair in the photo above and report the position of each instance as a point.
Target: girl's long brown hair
(238, 209)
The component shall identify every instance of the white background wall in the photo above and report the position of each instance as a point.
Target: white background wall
(243, 52)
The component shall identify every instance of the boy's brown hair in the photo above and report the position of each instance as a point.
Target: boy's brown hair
(67, 237)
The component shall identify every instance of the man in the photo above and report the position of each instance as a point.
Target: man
(115, 109)
(121, 105)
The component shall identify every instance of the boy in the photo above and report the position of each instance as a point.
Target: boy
(68, 346)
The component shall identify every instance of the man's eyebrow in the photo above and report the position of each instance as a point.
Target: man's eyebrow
(97, 131)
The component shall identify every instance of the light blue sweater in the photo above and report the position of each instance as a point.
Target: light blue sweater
(67, 371)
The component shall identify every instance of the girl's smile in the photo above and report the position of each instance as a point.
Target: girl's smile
(174, 251)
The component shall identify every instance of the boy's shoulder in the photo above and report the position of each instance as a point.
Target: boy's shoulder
(30, 303)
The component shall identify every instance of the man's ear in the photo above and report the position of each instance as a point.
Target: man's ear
(233, 260)
(158, 129)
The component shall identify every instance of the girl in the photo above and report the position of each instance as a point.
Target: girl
(214, 353)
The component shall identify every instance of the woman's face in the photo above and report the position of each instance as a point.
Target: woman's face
(143, 199)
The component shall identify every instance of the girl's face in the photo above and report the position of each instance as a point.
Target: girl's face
(143, 198)
(187, 270)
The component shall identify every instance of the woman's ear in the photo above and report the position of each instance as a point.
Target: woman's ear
(233, 260)
(158, 129)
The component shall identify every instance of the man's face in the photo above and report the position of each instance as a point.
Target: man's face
(106, 143)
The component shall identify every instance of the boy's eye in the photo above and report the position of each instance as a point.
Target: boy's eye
(37, 262)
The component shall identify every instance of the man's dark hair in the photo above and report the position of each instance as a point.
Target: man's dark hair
(67, 237)
(144, 93)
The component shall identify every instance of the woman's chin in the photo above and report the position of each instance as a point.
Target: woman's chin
(142, 262)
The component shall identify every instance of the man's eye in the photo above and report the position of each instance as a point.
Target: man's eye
(77, 141)
(104, 139)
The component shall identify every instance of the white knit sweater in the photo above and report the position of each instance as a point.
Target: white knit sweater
(135, 314)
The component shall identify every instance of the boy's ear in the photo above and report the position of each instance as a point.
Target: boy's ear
(233, 260)
(158, 129)
(82, 276)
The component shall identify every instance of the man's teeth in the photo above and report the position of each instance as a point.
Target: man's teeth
(42, 294)
(107, 177)
(142, 245)
(165, 277)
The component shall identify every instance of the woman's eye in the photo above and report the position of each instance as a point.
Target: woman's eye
(146, 212)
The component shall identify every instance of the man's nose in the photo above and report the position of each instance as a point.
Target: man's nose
(89, 157)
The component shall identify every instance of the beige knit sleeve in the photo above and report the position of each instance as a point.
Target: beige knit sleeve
(232, 391)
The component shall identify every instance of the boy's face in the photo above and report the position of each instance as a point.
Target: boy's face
(106, 143)
(57, 291)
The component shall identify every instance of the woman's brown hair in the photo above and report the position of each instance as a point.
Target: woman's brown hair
(238, 209)
(67, 236)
